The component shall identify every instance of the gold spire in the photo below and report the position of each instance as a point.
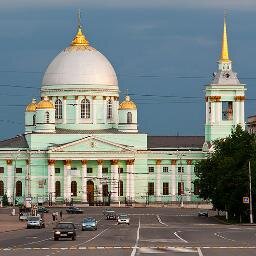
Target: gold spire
(79, 39)
(224, 51)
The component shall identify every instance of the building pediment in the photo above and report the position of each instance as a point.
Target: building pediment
(91, 144)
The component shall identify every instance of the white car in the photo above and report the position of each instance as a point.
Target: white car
(123, 219)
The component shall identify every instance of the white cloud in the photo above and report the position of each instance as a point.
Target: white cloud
(198, 4)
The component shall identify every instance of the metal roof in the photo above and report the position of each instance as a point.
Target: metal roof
(17, 142)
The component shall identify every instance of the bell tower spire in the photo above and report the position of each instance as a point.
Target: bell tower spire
(224, 61)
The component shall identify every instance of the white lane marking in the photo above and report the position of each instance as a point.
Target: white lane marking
(185, 241)
(223, 237)
(181, 249)
(160, 221)
(93, 237)
(149, 250)
(199, 252)
(137, 241)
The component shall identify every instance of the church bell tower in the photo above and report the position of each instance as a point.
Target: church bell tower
(224, 98)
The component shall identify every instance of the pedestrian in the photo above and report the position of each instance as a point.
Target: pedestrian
(61, 214)
(53, 216)
(56, 215)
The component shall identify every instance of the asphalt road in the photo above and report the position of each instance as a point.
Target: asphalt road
(156, 231)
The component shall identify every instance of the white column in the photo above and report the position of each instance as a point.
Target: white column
(213, 104)
(242, 113)
(158, 180)
(189, 169)
(218, 112)
(10, 181)
(173, 179)
(84, 181)
(94, 112)
(128, 170)
(207, 112)
(236, 112)
(104, 110)
(64, 110)
(77, 108)
(51, 179)
(27, 179)
(99, 176)
(67, 180)
(132, 174)
(114, 180)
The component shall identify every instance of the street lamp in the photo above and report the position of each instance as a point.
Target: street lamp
(14, 177)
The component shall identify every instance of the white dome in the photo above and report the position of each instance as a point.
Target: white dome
(80, 66)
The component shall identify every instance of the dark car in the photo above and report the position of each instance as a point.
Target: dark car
(111, 215)
(42, 210)
(74, 210)
(203, 214)
(65, 230)
(89, 224)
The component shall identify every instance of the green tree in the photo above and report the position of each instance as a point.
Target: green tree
(223, 177)
(5, 200)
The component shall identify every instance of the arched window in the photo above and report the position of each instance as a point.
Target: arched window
(34, 119)
(109, 109)
(73, 188)
(18, 188)
(58, 109)
(1, 188)
(57, 188)
(85, 108)
(120, 188)
(47, 117)
(129, 118)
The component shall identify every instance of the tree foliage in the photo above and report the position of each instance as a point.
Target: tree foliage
(224, 177)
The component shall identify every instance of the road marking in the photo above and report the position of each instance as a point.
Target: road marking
(223, 237)
(185, 241)
(94, 237)
(149, 250)
(199, 251)
(137, 240)
(160, 221)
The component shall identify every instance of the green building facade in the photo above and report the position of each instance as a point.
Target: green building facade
(81, 142)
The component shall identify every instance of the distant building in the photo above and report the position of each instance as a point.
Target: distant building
(81, 144)
(251, 124)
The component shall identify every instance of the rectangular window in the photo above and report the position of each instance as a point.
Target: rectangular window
(18, 170)
(57, 170)
(165, 169)
(89, 170)
(105, 170)
(196, 188)
(165, 188)
(73, 168)
(227, 110)
(180, 188)
(120, 170)
(180, 169)
(151, 190)
(150, 169)
(1, 169)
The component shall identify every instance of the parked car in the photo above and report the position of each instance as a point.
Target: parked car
(35, 222)
(105, 211)
(203, 214)
(89, 224)
(111, 215)
(42, 210)
(73, 210)
(64, 230)
(123, 219)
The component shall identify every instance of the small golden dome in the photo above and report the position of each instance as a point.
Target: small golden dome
(79, 39)
(31, 107)
(127, 104)
(45, 103)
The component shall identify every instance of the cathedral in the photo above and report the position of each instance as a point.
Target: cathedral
(82, 144)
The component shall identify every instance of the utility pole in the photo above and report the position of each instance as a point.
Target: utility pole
(250, 189)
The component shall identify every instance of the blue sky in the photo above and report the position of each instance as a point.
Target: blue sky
(163, 51)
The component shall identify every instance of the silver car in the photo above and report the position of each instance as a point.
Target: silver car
(123, 219)
(35, 222)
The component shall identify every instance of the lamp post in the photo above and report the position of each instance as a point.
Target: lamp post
(250, 190)
(14, 177)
